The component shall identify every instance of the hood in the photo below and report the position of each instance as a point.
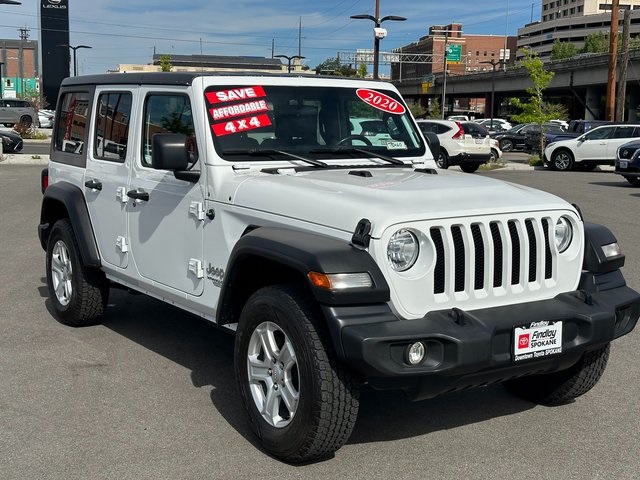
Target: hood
(339, 199)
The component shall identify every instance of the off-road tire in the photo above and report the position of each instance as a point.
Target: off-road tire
(328, 396)
(84, 301)
(443, 160)
(560, 387)
(469, 167)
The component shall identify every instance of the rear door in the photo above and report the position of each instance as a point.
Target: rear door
(621, 135)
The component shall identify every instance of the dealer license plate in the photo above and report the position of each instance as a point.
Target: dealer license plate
(536, 340)
(479, 140)
(624, 164)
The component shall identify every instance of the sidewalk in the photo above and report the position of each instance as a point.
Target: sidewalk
(23, 159)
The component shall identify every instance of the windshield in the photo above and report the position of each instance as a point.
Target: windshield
(308, 121)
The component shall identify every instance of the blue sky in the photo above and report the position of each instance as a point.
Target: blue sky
(128, 31)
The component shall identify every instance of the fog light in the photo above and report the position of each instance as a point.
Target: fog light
(415, 353)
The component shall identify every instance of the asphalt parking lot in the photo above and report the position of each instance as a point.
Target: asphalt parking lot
(150, 394)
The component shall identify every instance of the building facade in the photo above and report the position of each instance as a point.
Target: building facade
(572, 21)
(19, 69)
(477, 53)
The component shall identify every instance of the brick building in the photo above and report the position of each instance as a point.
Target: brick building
(19, 69)
(475, 49)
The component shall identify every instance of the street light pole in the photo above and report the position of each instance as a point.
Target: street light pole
(75, 61)
(289, 58)
(1, 81)
(494, 64)
(378, 33)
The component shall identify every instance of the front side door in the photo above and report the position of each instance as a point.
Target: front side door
(593, 144)
(107, 174)
(166, 215)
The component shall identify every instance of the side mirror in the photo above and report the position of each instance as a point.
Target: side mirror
(433, 142)
(169, 152)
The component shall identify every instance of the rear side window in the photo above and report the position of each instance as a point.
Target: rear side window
(167, 113)
(625, 132)
(71, 131)
(112, 126)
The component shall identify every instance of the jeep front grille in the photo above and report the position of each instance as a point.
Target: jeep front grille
(509, 254)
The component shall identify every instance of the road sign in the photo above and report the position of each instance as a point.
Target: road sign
(454, 53)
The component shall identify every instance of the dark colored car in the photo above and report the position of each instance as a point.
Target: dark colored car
(628, 162)
(514, 139)
(11, 142)
(578, 127)
(551, 133)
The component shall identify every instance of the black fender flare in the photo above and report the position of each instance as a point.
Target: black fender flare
(305, 252)
(65, 199)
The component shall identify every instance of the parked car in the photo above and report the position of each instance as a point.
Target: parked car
(512, 139)
(550, 133)
(596, 147)
(459, 118)
(628, 162)
(457, 147)
(11, 142)
(374, 129)
(496, 124)
(14, 111)
(583, 126)
(45, 118)
(480, 131)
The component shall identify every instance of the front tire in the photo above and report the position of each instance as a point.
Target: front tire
(562, 161)
(300, 401)
(506, 145)
(561, 387)
(635, 181)
(79, 294)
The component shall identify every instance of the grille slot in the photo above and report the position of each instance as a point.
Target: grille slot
(506, 254)
(458, 248)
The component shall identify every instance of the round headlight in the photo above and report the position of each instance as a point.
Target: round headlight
(563, 234)
(402, 250)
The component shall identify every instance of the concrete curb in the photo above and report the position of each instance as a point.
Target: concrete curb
(23, 159)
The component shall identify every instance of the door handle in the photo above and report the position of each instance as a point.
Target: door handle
(93, 184)
(138, 195)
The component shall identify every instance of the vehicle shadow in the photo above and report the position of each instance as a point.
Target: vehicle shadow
(612, 184)
(208, 354)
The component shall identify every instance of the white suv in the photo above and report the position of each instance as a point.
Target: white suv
(458, 147)
(248, 201)
(596, 147)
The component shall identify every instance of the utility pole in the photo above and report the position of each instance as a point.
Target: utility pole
(610, 105)
(624, 63)
(300, 38)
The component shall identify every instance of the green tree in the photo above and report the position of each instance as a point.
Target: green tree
(165, 63)
(535, 109)
(417, 110)
(562, 50)
(596, 43)
(362, 70)
(332, 66)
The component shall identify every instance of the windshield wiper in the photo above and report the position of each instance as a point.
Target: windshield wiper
(257, 152)
(386, 158)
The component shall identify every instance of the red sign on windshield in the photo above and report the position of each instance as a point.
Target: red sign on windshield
(380, 101)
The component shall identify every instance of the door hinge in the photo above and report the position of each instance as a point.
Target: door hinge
(121, 243)
(195, 267)
(121, 194)
(197, 210)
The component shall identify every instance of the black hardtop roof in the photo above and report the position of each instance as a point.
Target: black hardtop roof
(175, 78)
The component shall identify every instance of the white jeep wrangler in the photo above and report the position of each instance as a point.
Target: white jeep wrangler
(247, 201)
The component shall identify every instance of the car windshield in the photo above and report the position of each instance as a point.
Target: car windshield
(309, 121)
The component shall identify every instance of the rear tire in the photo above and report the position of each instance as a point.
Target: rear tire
(560, 387)
(494, 156)
(301, 402)
(469, 167)
(443, 160)
(26, 120)
(79, 294)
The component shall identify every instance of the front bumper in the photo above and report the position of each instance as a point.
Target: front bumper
(475, 348)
